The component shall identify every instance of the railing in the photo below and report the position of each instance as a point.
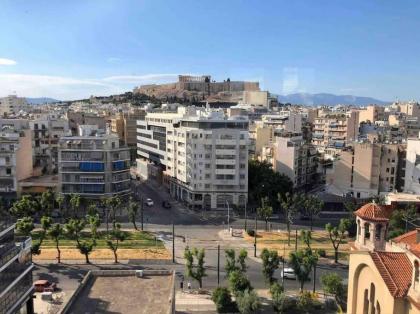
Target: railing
(7, 252)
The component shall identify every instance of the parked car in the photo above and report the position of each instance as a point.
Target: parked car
(149, 202)
(166, 204)
(288, 273)
(44, 286)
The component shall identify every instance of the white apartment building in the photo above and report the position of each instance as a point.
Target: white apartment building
(11, 105)
(412, 167)
(93, 165)
(15, 160)
(202, 154)
(47, 129)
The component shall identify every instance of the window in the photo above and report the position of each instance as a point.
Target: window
(378, 231)
(367, 231)
(8, 171)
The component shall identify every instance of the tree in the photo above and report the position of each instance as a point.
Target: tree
(223, 300)
(265, 211)
(133, 208)
(306, 238)
(312, 206)
(47, 202)
(290, 204)
(337, 234)
(115, 237)
(56, 232)
(233, 263)
(25, 226)
(278, 296)
(75, 204)
(271, 261)
(248, 302)
(73, 229)
(263, 181)
(25, 207)
(46, 223)
(302, 262)
(112, 204)
(60, 201)
(400, 220)
(195, 271)
(333, 284)
(94, 222)
(238, 282)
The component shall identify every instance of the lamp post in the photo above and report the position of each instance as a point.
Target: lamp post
(228, 215)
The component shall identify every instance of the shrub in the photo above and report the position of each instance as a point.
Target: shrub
(223, 300)
(321, 253)
(333, 284)
(283, 304)
(238, 282)
(248, 302)
(251, 232)
(307, 304)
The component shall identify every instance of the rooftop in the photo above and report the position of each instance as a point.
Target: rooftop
(373, 212)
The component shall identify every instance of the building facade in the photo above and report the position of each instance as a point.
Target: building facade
(203, 156)
(12, 105)
(94, 166)
(16, 289)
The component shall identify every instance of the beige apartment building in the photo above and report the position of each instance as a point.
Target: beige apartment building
(15, 160)
(383, 275)
(371, 114)
(295, 159)
(410, 108)
(366, 169)
(335, 130)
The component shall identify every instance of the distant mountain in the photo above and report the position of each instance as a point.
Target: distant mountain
(41, 100)
(329, 99)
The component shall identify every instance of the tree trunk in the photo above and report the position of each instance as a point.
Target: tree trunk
(200, 283)
(115, 256)
(266, 225)
(312, 222)
(58, 253)
(87, 258)
(134, 224)
(336, 255)
(301, 285)
(288, 235)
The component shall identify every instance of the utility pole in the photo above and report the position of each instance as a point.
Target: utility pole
(173, 242)
(255, 236)
(218, 264)
(282, 271)
(141, 213)
(245, 227)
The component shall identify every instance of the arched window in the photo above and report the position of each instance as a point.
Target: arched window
(366, 302)
(378, 308)
(416, 273)
(367, 231)
(378, 231)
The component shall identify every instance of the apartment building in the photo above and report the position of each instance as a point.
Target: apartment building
(16, 288)
(15, 160)
(296, 159)
(335, 130)
(77, 118)
(125, 126)
(410, 108)
(202, 154)
(371, 114)
(412, 167)
(12, 105)
(93, 164)
(47, 129)
(366, 169)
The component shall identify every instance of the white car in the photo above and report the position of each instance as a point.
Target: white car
(288, 273)
(149, 202)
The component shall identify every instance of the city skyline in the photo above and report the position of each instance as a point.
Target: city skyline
(74, 50)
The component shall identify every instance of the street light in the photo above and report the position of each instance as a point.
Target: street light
(228, 217)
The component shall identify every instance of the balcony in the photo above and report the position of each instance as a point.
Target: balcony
(15, 294)
(7, 252)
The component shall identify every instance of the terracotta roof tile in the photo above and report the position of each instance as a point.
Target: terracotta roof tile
(373, 212)
(409, 238)
(396, 271)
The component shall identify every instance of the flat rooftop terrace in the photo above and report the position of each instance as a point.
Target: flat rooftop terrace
(114, 294)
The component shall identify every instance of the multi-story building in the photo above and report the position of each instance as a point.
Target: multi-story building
(296, 159)
(372, 114)
(366, 169)
(47, 129)
(16, 289)
(12, 105)
(202, 154)
(412, 167)
(15, 160)
(77, 118)
(410, 108)
(93, 165)
(335, 130)
(125, 126)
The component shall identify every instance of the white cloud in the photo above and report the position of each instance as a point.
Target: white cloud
(65, 88)
(4, 61)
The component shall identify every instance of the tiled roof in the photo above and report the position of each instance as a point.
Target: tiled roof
(396, 271)
(409, 238)
(373, 212)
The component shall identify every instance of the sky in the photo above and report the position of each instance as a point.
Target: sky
(74, 49)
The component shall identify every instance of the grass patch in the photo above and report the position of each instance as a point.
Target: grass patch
(278, 241)
(135, 240)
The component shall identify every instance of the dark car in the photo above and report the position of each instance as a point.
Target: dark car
(166, 204)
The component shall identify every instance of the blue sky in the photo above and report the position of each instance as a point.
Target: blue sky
(72, 49)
